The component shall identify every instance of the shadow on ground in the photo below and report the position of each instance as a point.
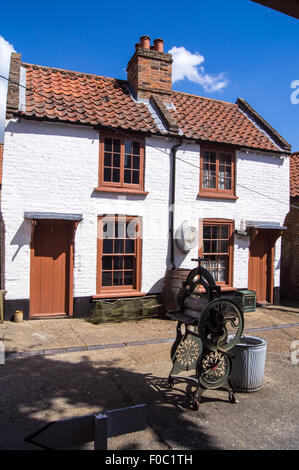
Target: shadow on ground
(38, 390)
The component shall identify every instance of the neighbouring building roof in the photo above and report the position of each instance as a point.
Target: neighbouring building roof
(294, 174)
(289, 7)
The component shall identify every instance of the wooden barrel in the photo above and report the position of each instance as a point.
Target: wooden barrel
(172, 286)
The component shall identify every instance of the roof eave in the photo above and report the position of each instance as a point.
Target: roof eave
(148, 133)
(277, 138)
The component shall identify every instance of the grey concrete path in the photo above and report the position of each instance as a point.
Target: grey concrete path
(71, 334)
(47, 387)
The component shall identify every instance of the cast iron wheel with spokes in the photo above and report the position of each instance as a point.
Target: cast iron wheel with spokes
(221, 324)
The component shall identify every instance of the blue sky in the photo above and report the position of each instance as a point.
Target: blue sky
(252, 51)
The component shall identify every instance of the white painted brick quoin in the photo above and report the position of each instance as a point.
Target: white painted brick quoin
(52, 167)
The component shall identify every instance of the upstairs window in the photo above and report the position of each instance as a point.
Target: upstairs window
(121, 165)
(217, 174)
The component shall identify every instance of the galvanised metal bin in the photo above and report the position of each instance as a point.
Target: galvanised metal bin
(248, 364)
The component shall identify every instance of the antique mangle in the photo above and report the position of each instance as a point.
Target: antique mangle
(208, 326)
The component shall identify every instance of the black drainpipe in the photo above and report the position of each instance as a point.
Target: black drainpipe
(172, 201)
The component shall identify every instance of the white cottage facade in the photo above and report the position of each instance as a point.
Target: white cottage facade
(66, 180)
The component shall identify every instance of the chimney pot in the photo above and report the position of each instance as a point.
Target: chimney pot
(145, 76)
(145, 42)
(158, 45)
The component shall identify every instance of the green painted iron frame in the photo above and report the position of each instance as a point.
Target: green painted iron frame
(205, 342)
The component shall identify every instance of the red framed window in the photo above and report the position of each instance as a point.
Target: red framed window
(217, 173)
(121, 164)
(217, 249)
(119, 254)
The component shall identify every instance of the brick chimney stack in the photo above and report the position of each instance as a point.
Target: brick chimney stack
(149, 70)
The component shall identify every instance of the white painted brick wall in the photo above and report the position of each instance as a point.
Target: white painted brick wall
(50, 167)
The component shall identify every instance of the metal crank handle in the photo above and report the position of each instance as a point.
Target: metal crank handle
(226, 352)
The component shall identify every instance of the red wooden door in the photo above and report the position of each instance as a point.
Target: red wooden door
(260, 266)
(50, 268)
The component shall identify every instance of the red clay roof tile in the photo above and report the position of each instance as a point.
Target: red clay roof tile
(217, 121)
(294, 174)
(90, 99)
(72, 97)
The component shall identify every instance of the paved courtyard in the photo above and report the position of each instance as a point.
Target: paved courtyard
(124, 364)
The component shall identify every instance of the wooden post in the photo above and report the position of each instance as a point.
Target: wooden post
(100, 431)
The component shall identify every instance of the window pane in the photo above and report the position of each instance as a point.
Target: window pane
(106, 278)
(222, 261)
(107, 159)
(116, 145)
(228, 183)
(117, 278)
(128, 278)
(224, 231)
(107, 262)
(206, 231)
(108, 145)
(212, 183)
(128, 161)
(116, 160)
(128, 147)
(107, 174)
(120, 230)
(135, 177)
(228, 171)
(224, 247)
(107, 246)
(116, 176)
(130, 246)
(129, 260)
(205, 182)
(127, 176)
(136, 148)
(206, 246)
(215, 232)
(117, 262)
(136, 162)
(214, 246)
(118, 246)
(132, 229)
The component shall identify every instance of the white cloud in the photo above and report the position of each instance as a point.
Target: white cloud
(5, 50)
(188, 66)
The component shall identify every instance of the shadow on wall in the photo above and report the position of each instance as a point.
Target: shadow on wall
(22, 237)
(41, 389)
(157, 287)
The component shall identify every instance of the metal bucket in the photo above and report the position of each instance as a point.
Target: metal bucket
(248, 364)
